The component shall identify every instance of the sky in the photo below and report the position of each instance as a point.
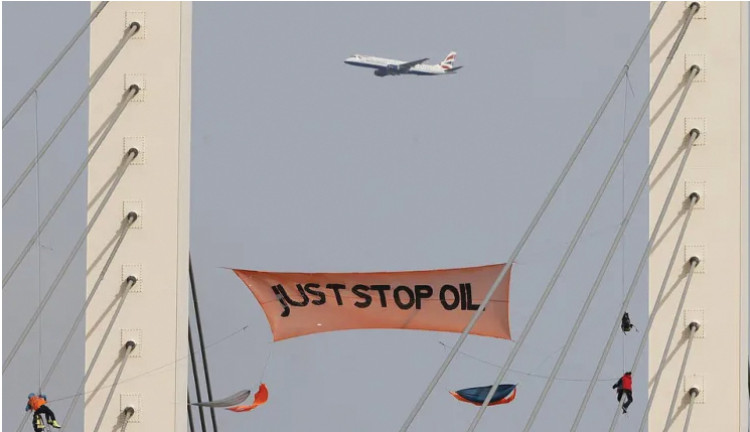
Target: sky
(303, 163)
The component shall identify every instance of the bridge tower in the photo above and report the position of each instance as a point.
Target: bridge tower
(717, 169)
(156, 186)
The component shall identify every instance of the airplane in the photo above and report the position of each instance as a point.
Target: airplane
(384, 67)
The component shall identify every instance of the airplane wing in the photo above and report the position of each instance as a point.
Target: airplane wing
(408, 65)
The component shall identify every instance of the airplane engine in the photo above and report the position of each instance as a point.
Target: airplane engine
(380, 73)
(392, 69)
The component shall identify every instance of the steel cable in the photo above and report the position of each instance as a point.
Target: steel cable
(200, 340)
(694, 392)
(129, 347)
(57, 60)
(692, 329)
(131, 30)
(564, 260)
(693, 199)
(657, 226)
(129, 283)
(127, 223)
(693, 9)
(131, 93)
(128, 158)
(530, 229)
(693, 262)
(194, 368)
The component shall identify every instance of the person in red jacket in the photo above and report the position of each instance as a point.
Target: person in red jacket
(38, 405)
(625, 385)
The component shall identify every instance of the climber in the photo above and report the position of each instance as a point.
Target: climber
(38, 405)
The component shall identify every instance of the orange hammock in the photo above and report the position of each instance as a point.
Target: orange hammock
(261, 397)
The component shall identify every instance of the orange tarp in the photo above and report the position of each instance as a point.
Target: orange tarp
(298, 304)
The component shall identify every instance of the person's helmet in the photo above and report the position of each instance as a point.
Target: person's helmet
(31, 395)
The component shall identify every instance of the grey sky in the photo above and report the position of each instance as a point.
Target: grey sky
(302, 163)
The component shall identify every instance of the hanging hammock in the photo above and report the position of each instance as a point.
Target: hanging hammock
(261, 397)
(504, 394)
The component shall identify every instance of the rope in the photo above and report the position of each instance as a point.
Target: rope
(200, 340)
(59, 57)
(693, 199)
(622, 200)
(39, 243)
(130, 282)
(127, 223)
(657, 378)
(527, 234)
(131, 30)
(646, 252)
(529, 374)
(592, 292)
(132, 153)
(693, 394)
(194, 367)
(129, 95)
(129, 347)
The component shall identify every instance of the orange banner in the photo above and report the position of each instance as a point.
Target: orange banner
(298, 304)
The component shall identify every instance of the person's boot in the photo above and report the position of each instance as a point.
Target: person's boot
(55, 424)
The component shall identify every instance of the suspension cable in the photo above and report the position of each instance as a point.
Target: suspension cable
(190, 413)
(131, 154)
(129, 347)
(693, 262)
(131, 30)
(694, 197)
(129, 95)
(127, 414)
(129, 283)
(57, 60)
(530, 229)
(200, 340)
(562, 265)
(127, 223)
(694, 392)
(647, 251)
(693, 9)
(194, 368)
(692, 329)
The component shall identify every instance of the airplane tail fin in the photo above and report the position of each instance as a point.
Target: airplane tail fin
(447, 64)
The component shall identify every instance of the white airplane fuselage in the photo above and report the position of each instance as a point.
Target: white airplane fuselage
(386, 66)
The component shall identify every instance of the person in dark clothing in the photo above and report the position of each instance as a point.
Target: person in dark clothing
(38, 405)
(626, 325)
(625, 385)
